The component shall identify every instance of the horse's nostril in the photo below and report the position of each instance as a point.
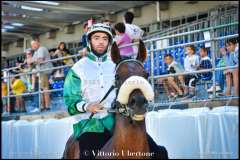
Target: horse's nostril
(145, 101)
(133, 101)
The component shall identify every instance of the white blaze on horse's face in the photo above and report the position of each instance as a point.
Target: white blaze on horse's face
(132, 83)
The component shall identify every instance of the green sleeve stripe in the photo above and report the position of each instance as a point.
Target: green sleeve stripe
(72, 92)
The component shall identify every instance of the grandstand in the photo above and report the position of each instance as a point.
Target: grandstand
(167, 30)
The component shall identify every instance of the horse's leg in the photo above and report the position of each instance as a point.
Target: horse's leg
(71, 149)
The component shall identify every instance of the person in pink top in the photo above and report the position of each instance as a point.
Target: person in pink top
(123, 39)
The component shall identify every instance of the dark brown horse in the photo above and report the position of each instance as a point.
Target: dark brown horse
(130, 139)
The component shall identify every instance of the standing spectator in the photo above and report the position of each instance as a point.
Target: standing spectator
(84, 39)
(134, 32)
(31, 67)
(18, 87)
(41, 54)
(191, 63)
(109, 22)
(123, 39)
(205, 63)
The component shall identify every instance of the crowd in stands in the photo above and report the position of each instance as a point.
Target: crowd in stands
(182, 86)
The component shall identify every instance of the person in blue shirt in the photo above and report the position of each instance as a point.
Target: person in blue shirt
(205, 63)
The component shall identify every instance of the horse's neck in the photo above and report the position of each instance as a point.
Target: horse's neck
(130, 136)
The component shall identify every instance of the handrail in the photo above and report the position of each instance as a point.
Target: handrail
(195, 72)
(187, 101)
(174, 46)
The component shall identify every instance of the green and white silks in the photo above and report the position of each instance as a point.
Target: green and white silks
(88, 81)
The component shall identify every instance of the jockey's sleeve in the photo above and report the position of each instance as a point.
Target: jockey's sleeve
(72, 93)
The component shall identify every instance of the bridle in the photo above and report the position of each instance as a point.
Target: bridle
(117, 107)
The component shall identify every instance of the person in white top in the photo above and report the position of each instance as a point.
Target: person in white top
(133, 31)
(191, 63)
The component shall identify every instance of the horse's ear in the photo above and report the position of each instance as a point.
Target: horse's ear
(115, 53)
(142, 52)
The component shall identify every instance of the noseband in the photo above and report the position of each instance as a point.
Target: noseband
(117, 106)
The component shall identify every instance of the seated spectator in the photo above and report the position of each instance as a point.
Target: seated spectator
(205, 63)
(18, 87)
(171, 82)
(62, 51)
(123, 39)
(231, 59)
(219, 76)
(191, 63)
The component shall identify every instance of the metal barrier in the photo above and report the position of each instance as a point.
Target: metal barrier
(152, 52)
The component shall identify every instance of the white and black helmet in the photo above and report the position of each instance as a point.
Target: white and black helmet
(100, 27)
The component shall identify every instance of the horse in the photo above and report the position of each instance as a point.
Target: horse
(130, 139)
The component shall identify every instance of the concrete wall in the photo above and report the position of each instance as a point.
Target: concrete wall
(148, 15)
(61, 36)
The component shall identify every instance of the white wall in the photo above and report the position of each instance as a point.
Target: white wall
(148, 15)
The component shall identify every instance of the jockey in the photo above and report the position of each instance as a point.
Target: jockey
(85, 85)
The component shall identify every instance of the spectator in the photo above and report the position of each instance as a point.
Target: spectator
(84, 40)
(41, 54)
(231, 59)
(191, 63)
(4, 63)
(134, 32)
(205, 63)
(18, 87)
(4, 93)
(123, 39)
(64, 52)
(109, 22)
(171, 82)
(59, 53)
(219, 78)
(30, 67)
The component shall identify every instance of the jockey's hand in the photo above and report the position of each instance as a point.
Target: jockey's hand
(94, 107)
